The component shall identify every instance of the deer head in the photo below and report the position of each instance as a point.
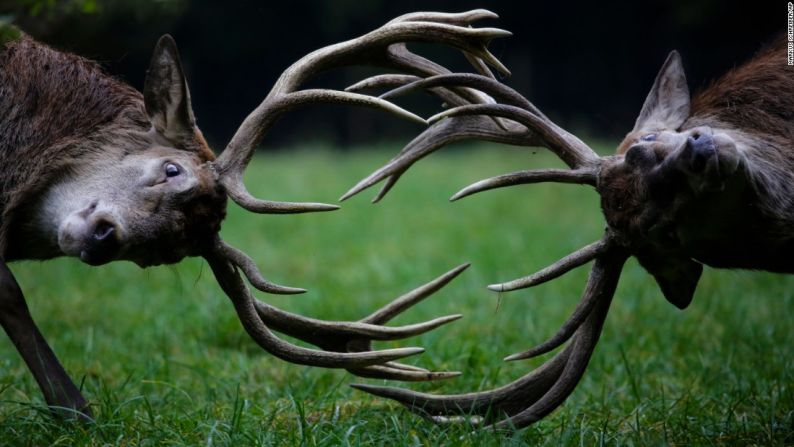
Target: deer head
(672, 196)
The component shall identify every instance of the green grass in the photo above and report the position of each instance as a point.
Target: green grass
(162, 357)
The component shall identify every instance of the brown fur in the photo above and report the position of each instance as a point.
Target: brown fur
(44, 119)
(59, 111)
(757, 96)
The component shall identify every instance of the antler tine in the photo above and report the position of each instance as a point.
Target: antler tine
(591, 295)
(230, 172)
(401, 58)
(491, 87)
(358, 336)
(536, 394)
(234, 287)
(389, 372)
(248, 266)
(403, 372)
(483, 87)
(436, 137)
(454, 18)
(448, 96)
(345, 344)
(403, 302)
(478, 59)
(582, 347)
(387, 186)
(233, 183)
(397, 371)
(479, 65)
(390, 80)
(583, 176)
(570, 149)
(326, 334)
(535, 130)
(508, 399)
(564, 265)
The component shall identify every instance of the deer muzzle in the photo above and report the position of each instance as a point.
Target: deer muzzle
(91, 234)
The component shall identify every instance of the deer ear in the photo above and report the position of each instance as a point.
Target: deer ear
(165, 93)
(667, 105)
(677, 276)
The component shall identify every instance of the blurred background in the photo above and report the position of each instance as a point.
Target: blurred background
(587, 64)
(162, 354)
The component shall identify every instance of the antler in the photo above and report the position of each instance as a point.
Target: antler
(538, 393)
(527, 126)
(508, 117)
(383, 47)
(344, 344)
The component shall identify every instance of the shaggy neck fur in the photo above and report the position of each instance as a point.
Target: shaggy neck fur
(55, 109)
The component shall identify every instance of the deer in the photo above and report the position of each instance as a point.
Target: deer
(699, 180)
(91, 168)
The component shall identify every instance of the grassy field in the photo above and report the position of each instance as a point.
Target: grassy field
(162, 357)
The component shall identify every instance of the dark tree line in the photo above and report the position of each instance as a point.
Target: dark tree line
(588, 64)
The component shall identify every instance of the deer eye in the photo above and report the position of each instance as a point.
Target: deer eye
(648, 137)
(172, 170)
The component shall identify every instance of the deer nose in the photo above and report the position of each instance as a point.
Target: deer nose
(701, 146)
(103, 244)
(103, 230)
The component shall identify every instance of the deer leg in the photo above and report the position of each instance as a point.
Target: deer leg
(59, 391)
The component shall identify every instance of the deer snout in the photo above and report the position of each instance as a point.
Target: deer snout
(102, 244)
(701, 148)
(91, 234)
(708, 159)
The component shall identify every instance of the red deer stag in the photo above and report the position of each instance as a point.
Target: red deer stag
(92, 168)
(703, 181)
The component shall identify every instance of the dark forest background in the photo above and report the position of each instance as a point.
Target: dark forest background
(587, 64)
